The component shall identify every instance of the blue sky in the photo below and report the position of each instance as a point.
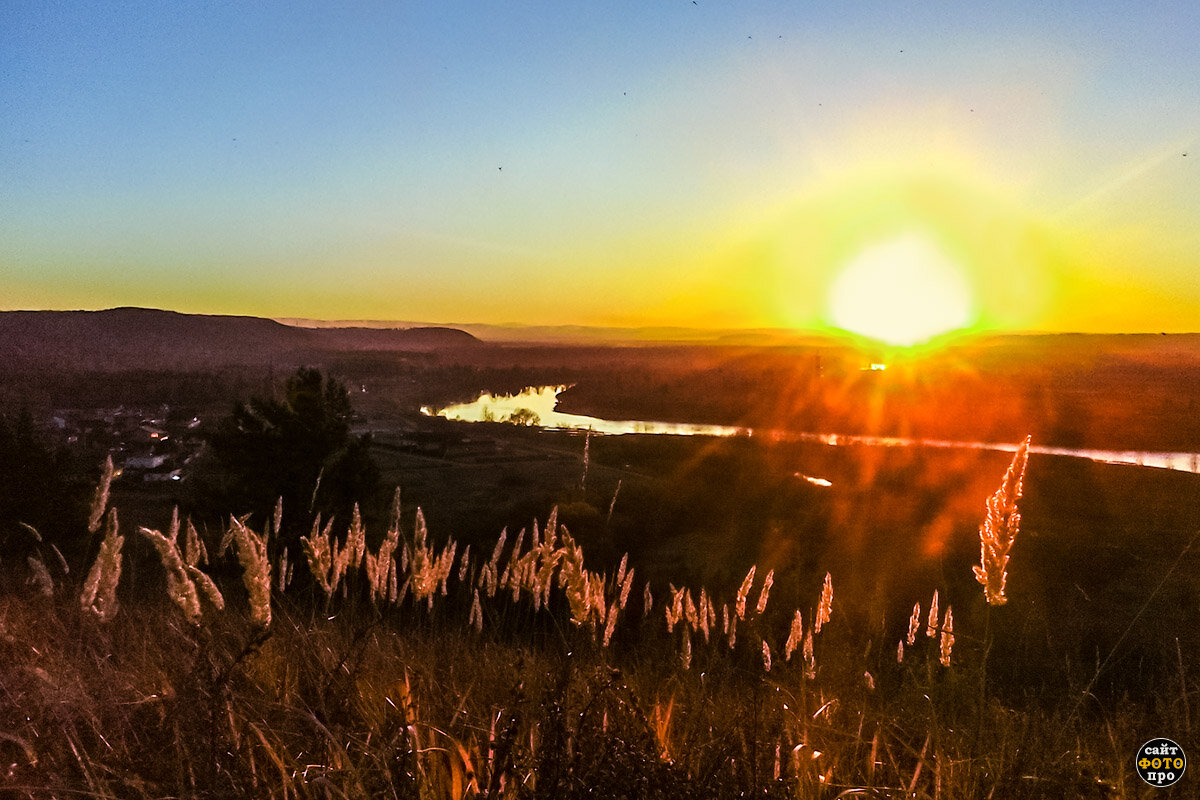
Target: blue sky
(623, 163)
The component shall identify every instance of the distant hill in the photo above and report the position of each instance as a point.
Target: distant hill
(125, 338)
(595, 334)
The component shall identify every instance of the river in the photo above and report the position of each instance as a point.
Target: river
(538, 405)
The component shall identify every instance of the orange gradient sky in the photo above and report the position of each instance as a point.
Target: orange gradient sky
(709, 164)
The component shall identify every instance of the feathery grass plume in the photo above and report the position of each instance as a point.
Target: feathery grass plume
(40, 576)
(380, 566)
(548, 559)
(810, 658)
(371, 568)
(282, 569)
(999, 529)
(744, 592)
(725, 618)
(99, 594)
(574, 579)
(613, 503)
(900, 652)
(764, 593)
(766, 653)
(626, 588)
(732, 630)
(932, 624)
(425, 571)
(256, 570)
(475, 620)
(947, 643)
(194, 551)
(446, 565)
(464, 564)
(611, 624)
(869, 679)
(597, 601)
(704, 613)
(356, 539)
(519, 574)
(685, 653)
(226, 541)
(487, 580)
(825, 608)
(516, 550)
(318, 549)
(512, 568)
(206, 587)
(100, 498)
(341, 560)
(689, 610)
(914, 624)
(393, 594)
(499, 548)
(276, 519)
(795, 636)
(674, 611)
(179, 584)
(647, 600)
(621, 570)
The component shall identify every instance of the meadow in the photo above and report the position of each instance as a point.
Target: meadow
(397, 662)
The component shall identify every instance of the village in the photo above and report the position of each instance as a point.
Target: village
(146, 445)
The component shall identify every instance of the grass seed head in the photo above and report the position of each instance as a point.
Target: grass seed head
(931, 625)
(626, 588)
(318, 549)
(826, 606)
(256, 571)
(795, 636)
(947, 642)
(999, 529)
(206, 587)
(194, 552)
(100, 497)
(810, 658)
(99, 594)
(744, 592)
(914, 624)
(180, 587)
(765, 593)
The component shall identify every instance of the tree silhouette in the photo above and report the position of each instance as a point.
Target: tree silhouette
(297, 447)
(39, 487)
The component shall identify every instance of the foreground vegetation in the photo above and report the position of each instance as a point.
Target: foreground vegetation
(387, 665)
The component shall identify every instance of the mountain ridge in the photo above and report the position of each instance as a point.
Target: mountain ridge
(131, 337)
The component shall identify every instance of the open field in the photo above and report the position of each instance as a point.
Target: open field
(530, 673)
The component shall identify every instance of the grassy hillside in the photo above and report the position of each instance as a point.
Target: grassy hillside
(397, 663)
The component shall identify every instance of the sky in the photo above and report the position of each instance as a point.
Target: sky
(710, 164)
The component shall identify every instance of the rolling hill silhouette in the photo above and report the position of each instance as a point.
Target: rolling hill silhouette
(124, 338)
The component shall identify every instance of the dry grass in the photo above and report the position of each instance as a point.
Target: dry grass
(419, 673)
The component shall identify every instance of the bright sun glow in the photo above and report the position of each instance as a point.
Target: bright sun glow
(902, 291)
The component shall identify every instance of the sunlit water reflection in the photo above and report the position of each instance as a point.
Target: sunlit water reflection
(537, 406)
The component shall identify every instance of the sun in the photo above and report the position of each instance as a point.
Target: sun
(902, 291)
